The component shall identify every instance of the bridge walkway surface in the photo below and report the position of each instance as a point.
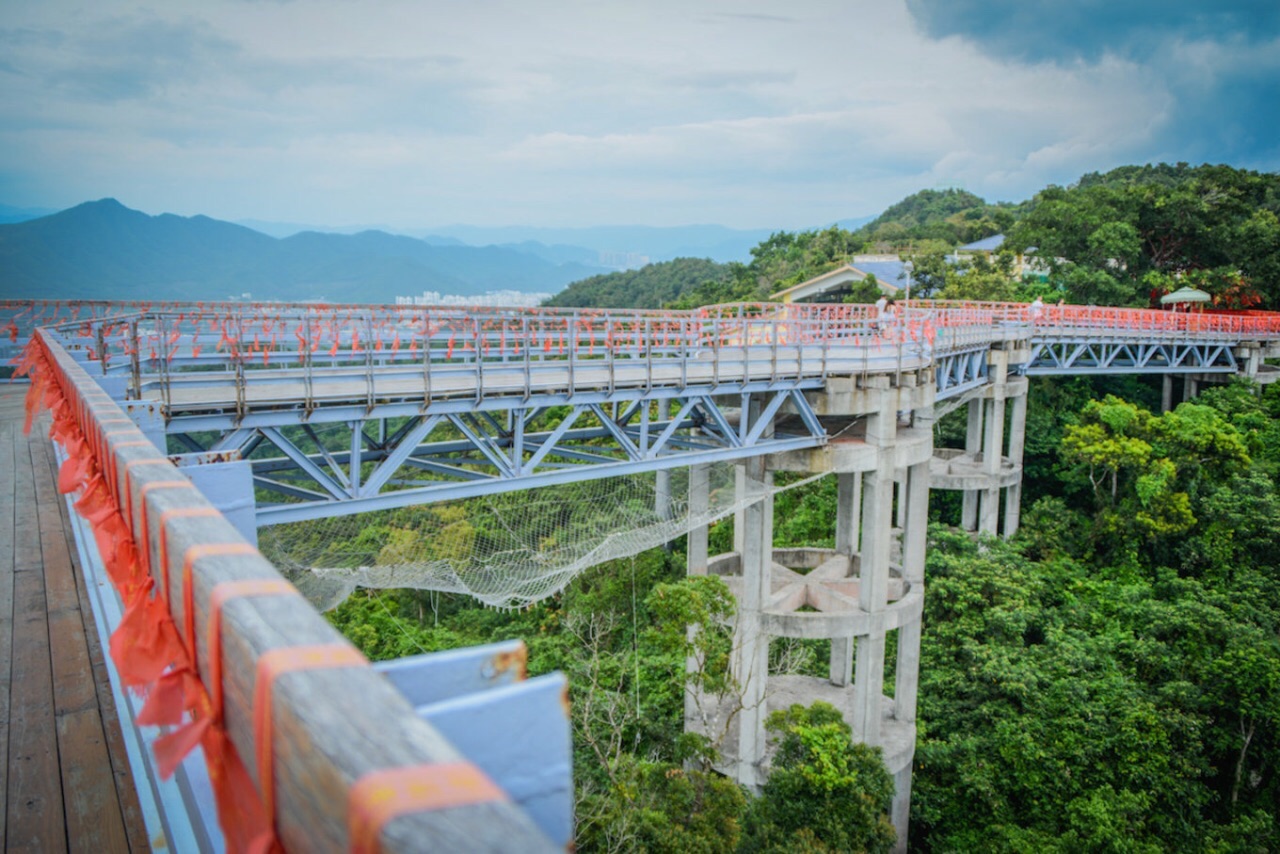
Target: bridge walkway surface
(64, 770)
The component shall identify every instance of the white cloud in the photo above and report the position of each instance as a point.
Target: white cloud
(766, 114)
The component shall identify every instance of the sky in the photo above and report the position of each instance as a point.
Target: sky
(566, 113)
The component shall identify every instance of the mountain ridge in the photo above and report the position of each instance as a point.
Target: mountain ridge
(103, 249)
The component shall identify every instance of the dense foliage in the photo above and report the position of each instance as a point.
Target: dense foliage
(925, 227)
(652, 286)
(953, 217)
(1109, 680)
(1120, 238)
(1115, 238)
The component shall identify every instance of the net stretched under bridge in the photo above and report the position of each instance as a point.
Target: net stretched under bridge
(507, 550)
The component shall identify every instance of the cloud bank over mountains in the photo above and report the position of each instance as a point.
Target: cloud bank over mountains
(765, 114)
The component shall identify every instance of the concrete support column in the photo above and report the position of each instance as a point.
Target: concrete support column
(848, 522)
(900, 810)
(1189, 387)
(900, 499)
(1017, 443)
(914, 538)
(972, 447)
(873, 590)
(993, 442)
(740, 512)
(1252, 360)
(992, 451)
(848, 512)
(1166, 393)
(915, 531)
(907, 673)
(699, 498)
(750, 657)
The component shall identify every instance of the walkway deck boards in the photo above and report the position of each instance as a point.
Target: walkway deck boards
(63, 769)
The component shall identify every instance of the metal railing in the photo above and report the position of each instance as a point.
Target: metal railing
(454, 351)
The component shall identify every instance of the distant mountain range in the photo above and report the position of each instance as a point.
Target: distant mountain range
(585, 245)
(8, 213)
(104, 250)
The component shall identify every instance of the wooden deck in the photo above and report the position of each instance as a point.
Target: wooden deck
(64, 772)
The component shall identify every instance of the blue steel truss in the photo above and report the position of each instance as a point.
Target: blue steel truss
(1093, 356)
(957, 373)
(439, 404)
(382, 463)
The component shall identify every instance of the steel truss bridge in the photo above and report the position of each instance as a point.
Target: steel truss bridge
(344, 409)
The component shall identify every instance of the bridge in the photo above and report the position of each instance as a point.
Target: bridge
(438, 404)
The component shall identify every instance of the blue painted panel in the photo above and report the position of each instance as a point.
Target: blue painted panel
(518, 735)
(434, 677)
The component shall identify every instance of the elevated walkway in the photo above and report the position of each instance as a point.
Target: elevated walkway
(420, 405)
(65, 774)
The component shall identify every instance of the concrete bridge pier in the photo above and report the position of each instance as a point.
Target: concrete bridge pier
(855, 596)
(991, 461)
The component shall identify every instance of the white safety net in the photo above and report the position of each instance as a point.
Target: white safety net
(506, 550)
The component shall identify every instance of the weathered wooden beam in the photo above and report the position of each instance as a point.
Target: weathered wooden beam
(331, 726)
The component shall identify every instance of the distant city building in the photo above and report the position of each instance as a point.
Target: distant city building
(514, 299)
(623, 260)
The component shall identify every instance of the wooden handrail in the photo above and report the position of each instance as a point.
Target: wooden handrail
(331, 726)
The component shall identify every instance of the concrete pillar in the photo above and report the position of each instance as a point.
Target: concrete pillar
(992, 451)
(1188, 387)
(843, 654)
(877, 521)
(699, 498)
(915, 531)
(1252, 360)
(915, 539)
(848, 512)
(972, 447)
(993, 442)
(740, 512)
(900, 811)
(848, 522)
(1017, 443)
(1166, 393)
(750, 657)
(900, 499)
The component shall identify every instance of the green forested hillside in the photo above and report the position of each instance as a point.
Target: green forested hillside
(1116, 238)
(1113, 238)
(652, 286)
(953, 217)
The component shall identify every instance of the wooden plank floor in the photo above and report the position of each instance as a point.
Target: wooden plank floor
(63, 769)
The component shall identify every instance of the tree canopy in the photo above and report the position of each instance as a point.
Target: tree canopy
(1117, 238)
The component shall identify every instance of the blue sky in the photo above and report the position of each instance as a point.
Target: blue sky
(592, 112)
